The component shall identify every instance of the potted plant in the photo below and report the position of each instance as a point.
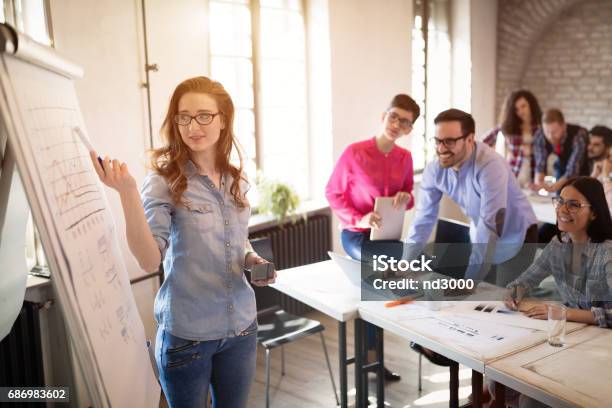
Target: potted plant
(278, 199)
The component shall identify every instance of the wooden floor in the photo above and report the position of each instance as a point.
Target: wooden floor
(306, 383)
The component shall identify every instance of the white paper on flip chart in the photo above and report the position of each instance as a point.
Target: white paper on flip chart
(94, 288)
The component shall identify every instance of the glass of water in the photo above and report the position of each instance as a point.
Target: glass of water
(557, 314)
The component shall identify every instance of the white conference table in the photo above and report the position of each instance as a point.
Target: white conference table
(575, 375)
(322, 286)
(460, 333)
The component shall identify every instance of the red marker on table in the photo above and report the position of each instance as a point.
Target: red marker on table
(400, 301)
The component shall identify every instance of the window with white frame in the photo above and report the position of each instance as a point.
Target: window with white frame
(30, 17)
(258, 52)
(431, 73)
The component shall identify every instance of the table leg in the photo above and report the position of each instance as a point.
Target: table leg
(380, 370)
(343, 364)
(361, 390)
(454, 386)
(476, 389)
(500, 395)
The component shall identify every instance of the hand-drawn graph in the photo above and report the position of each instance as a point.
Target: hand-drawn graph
(80, 209)
(67, 169)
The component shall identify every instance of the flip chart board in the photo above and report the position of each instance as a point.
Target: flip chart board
(39, 108)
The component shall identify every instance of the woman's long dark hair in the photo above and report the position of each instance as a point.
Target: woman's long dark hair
(600, 229)
(511, 124)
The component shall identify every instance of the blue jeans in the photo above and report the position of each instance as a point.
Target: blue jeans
(187, 368)
(352, 241)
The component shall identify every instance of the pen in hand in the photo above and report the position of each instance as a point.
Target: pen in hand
(515, 298)
(87, 143)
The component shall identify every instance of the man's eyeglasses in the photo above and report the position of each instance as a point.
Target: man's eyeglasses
(404, 123)
(573, 206)
(449, 142)
(201, 118)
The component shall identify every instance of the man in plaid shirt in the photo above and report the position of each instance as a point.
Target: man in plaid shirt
(567, 141)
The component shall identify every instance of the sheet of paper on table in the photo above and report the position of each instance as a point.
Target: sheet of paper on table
(481, 339)
(497, 312)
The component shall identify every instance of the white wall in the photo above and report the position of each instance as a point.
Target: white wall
(370, 63)
(461, 88)
(483, 30)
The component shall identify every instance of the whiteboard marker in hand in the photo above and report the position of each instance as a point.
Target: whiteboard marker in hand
(87, 143)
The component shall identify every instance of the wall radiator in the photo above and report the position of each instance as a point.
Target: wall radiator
(21, 353)
(298, 244)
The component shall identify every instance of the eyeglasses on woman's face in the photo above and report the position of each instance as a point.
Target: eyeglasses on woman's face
(403, 122)
(573, 206)
(205, 118)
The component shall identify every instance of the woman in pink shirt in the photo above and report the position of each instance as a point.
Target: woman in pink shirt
(372, 168)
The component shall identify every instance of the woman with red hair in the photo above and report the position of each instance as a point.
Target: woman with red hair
(192, 214)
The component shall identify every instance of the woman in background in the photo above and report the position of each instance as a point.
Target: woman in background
(368, 169)
(519, 121)
(193, 214)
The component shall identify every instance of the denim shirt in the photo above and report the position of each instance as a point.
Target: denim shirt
(205, 294)
(590, 287)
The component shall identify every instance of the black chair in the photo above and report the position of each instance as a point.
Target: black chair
(277, 327)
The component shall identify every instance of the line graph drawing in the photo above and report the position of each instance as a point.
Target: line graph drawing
(76, 194)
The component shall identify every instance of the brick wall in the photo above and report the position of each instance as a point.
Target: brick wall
(520, 24)
(562, 51)
(572, 67)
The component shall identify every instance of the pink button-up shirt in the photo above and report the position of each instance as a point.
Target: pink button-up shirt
(363, 173)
